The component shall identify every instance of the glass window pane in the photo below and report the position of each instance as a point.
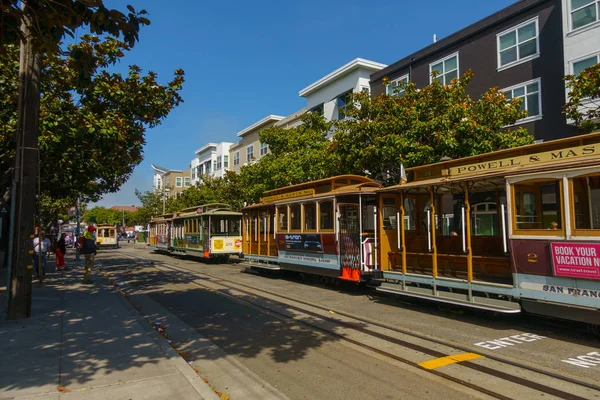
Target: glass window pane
(508, 56)
(533, 104)
(450, 76)
(310, 216)
(508, 95)
(450, 64)
(326, 215)
(508, 40)
(282, 218)
(533, 87)
(584, 16)
(437, 67)
(519, 92)
(527, 32)
(528, 48)
(389, 217)
(583, 64)
(575, 4)
(295, 217)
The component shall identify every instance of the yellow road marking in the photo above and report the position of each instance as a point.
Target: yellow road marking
(442, 361)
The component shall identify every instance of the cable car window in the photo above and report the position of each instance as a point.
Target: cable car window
(310, 216)
(586, 202)
(538, 205)
(295, 217)
(326, 215)
(282, 219)
(234, 224)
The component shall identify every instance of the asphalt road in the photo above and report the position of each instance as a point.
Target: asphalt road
(306, 363)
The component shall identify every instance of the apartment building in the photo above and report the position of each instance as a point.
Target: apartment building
(328, 96)
(212, 159)
(249, 147)
(170, 181)
(581, 35)
(519, 50)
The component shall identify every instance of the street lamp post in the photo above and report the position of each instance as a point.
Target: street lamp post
(77, 230)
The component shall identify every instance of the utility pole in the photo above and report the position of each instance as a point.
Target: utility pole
(23, 202)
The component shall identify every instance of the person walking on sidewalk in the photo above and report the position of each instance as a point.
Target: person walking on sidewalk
(41, 244)
(61, 250)
(88, 248)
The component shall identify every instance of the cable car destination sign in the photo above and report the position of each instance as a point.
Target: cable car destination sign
(525, 160)
(289, 195)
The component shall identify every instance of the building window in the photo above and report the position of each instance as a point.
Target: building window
(178, 181)
(158, 183)
(225, 161)
(249, 153)
(320, 109)
(219, 163)
(236, 158)
(194, 173)
(199, 170)
(518, 44)
(207, 166)
(342, 102)
(186, 182)
(264, 149)
(530, 92)
(397, 87)
(584, 12)
(578, 66)
(447, 69)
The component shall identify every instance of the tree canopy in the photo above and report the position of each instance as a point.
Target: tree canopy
(52, 20)
(421, 126)
(92, 135)
(583, 106)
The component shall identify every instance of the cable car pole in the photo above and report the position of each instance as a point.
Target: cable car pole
(25, 178)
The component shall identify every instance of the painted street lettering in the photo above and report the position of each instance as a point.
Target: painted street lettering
(589, 360)
(509, 341)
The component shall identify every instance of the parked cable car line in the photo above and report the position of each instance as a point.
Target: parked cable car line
(255, 292)
(209, 231)
(511, 230)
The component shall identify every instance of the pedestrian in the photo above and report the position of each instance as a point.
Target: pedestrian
(88, 248)
(41, 244)
(61, 250)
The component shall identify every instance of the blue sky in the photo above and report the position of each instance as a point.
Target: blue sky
(245, 60)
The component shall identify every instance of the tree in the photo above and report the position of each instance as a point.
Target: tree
(103, 215)
(583, 106)
(296, 155)
(92, 136)
(54, 19)
(421, 126)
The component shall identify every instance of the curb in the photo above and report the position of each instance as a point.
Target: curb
(199, 385)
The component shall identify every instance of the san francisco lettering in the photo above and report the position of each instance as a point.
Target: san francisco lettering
(526, 160)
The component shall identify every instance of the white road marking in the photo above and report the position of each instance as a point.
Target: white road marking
(589, 360)
(509, 341)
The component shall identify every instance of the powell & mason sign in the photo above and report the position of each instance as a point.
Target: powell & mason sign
(525, 161)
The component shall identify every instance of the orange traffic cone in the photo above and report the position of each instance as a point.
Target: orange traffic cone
(355, 276)
(345, 273)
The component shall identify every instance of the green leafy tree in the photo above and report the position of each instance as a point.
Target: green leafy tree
(54, 19)
(422, 126)
(296, 155)
(103, 215)
(583, 106)
(91, 136)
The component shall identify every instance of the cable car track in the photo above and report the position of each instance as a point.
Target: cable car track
(229, 284)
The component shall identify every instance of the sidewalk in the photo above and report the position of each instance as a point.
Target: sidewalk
(88, 342)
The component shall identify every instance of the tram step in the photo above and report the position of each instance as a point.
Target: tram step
(480, 303)
(270, 267)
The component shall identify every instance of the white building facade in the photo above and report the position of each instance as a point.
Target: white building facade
(328, 96)
(212, 159)
(581, 33)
